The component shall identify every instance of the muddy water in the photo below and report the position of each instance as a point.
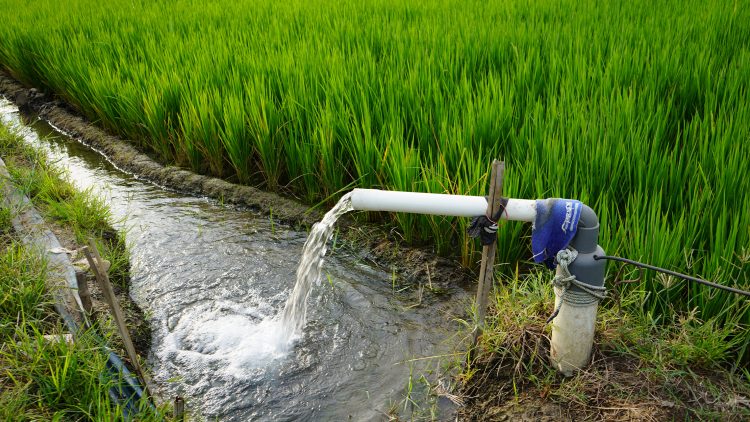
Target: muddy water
(213, 280)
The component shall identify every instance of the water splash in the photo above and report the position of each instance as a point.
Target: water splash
(294, 315)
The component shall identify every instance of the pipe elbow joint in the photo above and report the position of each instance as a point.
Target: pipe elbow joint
(588, 218)
(586, 242)
(587, 234)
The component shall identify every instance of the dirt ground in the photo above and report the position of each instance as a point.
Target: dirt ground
(615, 387)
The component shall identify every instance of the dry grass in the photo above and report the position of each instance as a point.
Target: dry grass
(510, 377)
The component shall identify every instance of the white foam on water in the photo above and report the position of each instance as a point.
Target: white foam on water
(224, 338)
(238, 340)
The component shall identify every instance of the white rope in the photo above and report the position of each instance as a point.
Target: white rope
(586, 296)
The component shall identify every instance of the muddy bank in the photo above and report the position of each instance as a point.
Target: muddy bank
(372, 242)
(125, 156)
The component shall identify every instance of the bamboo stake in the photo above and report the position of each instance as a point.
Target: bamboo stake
(486, 270)
(95, 262)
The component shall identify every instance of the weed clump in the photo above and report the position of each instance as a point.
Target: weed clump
(640, 368)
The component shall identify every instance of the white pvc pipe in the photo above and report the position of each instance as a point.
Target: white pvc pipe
(572, 336)
(438, 204)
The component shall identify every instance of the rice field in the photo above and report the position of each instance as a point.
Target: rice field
(640, 109)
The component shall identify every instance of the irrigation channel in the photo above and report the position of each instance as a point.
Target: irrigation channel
(214, 280)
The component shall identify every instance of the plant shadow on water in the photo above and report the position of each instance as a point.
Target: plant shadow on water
(215, 279)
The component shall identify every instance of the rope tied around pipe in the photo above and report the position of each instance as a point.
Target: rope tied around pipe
(564, 280)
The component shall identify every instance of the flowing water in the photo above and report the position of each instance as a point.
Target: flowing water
(214, 280)
(294, 315)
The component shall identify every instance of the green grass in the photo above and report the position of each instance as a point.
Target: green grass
(39, 379)
(36, 374)
(47, 186)
(42, 379)
(83, 213)
(639, 109)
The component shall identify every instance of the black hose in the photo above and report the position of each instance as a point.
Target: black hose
(676, 274)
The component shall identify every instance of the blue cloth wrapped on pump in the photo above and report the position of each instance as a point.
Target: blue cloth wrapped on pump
(555, 226)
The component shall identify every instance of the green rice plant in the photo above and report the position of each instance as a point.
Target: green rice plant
(234, 137)
(266, 132)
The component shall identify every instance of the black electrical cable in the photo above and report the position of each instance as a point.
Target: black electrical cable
(676, 274)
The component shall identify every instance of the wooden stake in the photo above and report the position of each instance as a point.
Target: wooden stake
(95, 262)
(84, 294)
(179, 408)
(486, 270)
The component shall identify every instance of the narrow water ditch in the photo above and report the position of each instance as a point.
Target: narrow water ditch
(213, 280)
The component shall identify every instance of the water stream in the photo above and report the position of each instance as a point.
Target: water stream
(215, 282)
(294, 316)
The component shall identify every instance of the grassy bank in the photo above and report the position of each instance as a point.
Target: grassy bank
(643, 367)
(639, 109)
(41, 378)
